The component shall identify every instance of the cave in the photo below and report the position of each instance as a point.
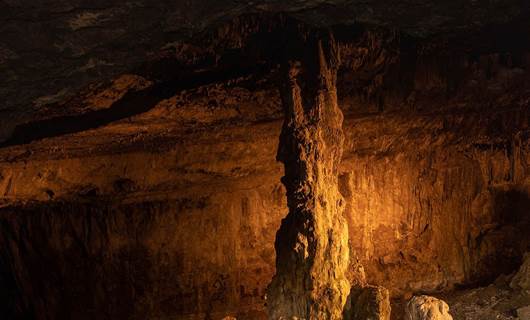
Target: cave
(265, 160)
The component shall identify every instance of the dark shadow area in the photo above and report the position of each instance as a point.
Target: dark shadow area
(8, 291)
(509, 239)
(53, 264)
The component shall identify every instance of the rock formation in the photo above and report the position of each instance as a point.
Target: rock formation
(523, 313)
(369, 303)
(312, 243)
(427, 308)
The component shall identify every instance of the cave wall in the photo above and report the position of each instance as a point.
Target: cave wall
(189, 238)
(427, 213)
(187, 258)
(424, 214)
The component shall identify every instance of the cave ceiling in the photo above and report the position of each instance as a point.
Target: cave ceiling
(54, 52)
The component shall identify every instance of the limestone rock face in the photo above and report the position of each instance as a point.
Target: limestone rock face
(427, 308)
(369, 303)
(312, 254)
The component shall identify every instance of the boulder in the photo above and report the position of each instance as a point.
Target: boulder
(427, 308)
(523, 313)
(369, 303)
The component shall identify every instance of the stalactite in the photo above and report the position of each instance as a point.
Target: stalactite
(312, 242)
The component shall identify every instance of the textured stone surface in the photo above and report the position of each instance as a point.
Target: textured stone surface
(51, 49)
(369, 303)
(139, 260)
(523, 313)
(233, 172)
(427, 308)
(312, 253)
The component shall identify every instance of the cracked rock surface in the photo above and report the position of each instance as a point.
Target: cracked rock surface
(312, 253)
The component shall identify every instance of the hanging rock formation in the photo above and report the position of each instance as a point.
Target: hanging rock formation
(312, 242)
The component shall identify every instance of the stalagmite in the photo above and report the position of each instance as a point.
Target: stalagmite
(521, 280)
(312, 242)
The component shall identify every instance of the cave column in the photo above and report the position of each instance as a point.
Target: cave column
(312, 254)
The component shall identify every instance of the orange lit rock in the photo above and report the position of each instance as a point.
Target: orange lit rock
(369, 302)
(312, 244)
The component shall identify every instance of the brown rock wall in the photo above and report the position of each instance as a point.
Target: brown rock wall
(425, 212)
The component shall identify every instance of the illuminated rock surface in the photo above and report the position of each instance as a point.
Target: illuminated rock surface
(370, 302)
(312, 253)
(427, 308)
